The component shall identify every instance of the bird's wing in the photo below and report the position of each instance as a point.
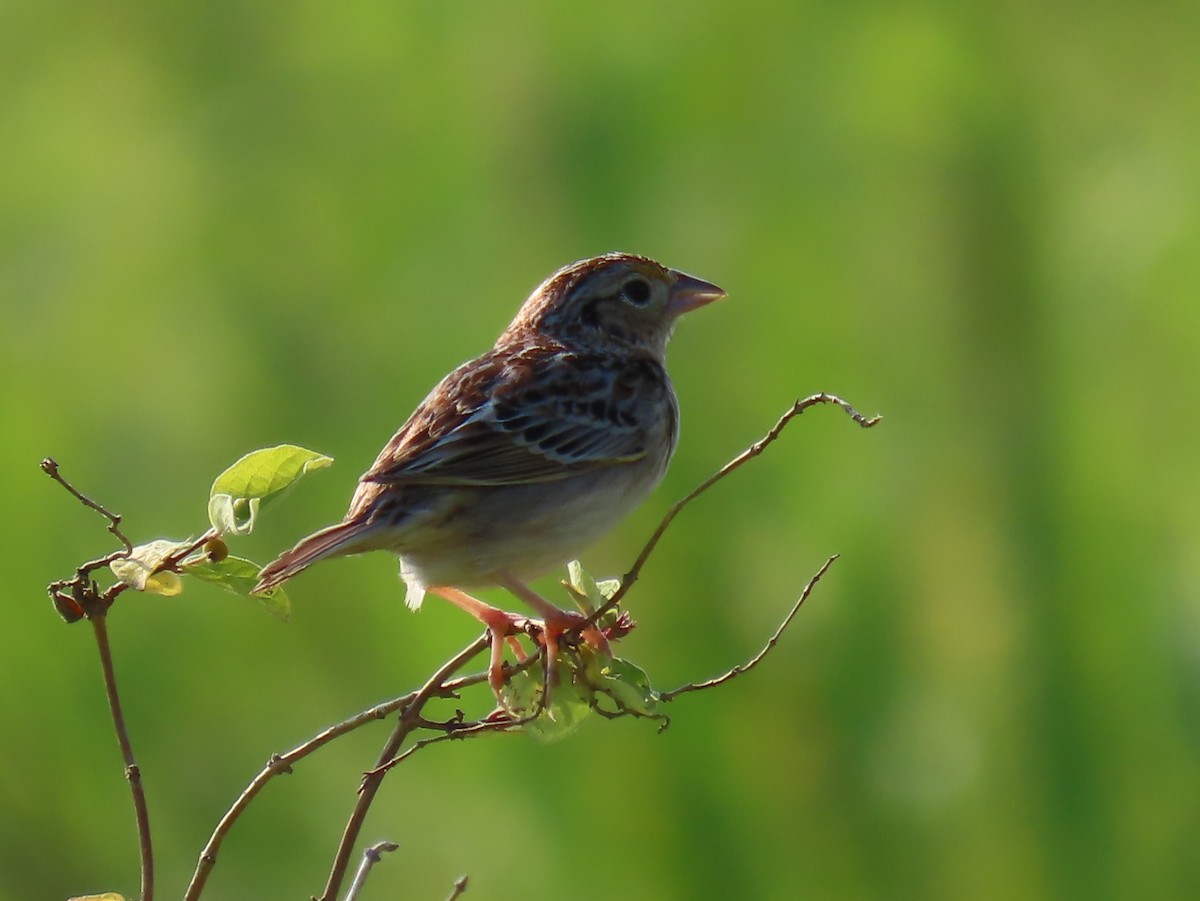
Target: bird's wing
(525, 417)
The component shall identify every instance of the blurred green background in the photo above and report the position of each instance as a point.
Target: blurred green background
(228, 225)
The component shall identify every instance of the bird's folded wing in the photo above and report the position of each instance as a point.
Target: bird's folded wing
(526, 430)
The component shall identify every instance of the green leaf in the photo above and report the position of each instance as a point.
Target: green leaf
(587, 593)
(570, 702)
(139, 569)
(608, 587)
(239, 576)
(628, 686)
(238, 492)
(570, 705)
(519, 695)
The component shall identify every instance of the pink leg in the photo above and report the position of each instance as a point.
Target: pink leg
(503, 626)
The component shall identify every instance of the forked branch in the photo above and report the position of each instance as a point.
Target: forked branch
(635, 571)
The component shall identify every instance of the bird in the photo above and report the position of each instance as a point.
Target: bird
(519, 459)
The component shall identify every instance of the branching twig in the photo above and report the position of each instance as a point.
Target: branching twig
(280, 763)
(283, 763)
(757, 658)
(408, 721)
(497, 722)
(84, 599)
(80, 596)
(635, 571)
(50, 468)
(371, 856)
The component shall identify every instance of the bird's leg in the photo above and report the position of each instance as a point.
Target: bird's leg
(556, 621)
(502, 625)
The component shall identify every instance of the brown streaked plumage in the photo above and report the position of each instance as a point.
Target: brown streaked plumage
(520, 458)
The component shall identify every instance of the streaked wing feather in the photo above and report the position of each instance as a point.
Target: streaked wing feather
(541, 419)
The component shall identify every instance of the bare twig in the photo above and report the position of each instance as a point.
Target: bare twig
(283, 763)
(279, 763)
(628, 580)
(757, 658)
(371, 856)
(460, 888)
(132, 772)
(50, 468)
(498, 722)
(79, 597)
(175, 560)
(408, 721)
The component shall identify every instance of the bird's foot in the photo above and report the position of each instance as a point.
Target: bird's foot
(561, 622)
(504, 628)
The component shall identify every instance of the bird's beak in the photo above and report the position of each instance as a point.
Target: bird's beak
(689, 292)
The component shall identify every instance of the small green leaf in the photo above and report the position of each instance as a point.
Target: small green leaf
(239, 576)
(587, 593)
(139, 569)
(238, 492)
(608, 587)
(569, 706)
(519, 695)
(570, 702)
(628, 686)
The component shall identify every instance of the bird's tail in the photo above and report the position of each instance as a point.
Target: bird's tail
(334, 541)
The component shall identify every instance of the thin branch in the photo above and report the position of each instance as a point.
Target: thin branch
(452, 729)
(500, 720)
(408, 721)
(460, 888)
(501, 723)
(628, 580)
(174, 561)
(50, 468)
(283, 763)
(79, 597)
(371, 856)
(757, 658)
(132, 773)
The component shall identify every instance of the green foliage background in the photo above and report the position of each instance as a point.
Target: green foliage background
(229, 225)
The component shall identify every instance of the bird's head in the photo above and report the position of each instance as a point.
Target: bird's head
(615, 301)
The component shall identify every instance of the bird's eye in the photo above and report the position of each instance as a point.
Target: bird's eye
(636, 291)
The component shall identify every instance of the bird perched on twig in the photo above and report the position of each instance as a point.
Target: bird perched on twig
(520, 458)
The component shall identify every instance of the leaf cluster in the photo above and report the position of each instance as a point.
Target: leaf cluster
(235, 500)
